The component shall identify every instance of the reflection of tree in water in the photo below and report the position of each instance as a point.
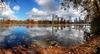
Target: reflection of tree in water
(70, 27)
(56, 28)
(66, 35)
(56, 34)
(3, 29)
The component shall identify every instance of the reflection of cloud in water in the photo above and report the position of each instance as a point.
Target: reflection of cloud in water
(40, 31)
(18, 35)
(3, 33)
(72, 36)
(65, 36)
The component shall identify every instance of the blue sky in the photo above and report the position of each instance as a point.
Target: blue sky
(25, 6)
(39, 10)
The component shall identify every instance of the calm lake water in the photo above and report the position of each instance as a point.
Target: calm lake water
(65, 35)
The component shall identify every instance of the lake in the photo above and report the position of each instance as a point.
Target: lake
(64, 35)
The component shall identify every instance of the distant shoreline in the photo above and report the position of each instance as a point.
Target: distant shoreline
(44, 24)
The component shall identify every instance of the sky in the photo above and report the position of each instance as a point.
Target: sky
(36, 9)
(22, 9)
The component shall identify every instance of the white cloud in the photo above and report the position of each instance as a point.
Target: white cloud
(48, 5)
(38, 14)
(43, 2)
(16, 8)
(36, 11)
(7, 12)
(69, 13)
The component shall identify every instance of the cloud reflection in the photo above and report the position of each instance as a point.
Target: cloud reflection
(22, 35)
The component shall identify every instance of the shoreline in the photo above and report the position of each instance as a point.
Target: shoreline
(90, 47)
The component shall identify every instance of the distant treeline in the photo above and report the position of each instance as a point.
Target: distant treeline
(32, 22)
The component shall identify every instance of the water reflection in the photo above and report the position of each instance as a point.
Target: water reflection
(65, 35)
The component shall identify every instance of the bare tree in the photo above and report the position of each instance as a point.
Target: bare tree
(93, 9)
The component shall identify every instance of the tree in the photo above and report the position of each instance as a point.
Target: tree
(93, 9)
